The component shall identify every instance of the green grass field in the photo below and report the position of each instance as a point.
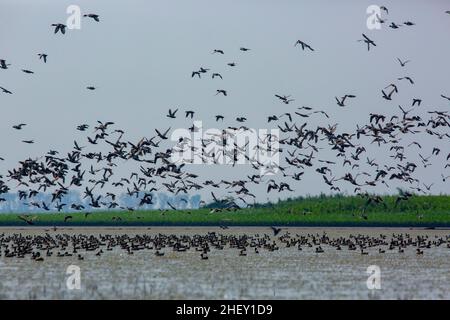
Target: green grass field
(418, 211)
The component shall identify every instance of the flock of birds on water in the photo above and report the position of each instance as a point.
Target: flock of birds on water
(80, 246)
(89, 165)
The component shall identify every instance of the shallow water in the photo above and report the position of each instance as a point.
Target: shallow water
(284, 274)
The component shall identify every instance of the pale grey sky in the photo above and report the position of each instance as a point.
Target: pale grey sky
(142, 53)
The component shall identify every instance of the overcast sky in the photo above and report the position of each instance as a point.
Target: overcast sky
(142, 53)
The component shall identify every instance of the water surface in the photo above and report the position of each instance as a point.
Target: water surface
(286, 273)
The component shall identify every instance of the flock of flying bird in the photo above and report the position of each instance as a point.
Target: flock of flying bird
(89, 165)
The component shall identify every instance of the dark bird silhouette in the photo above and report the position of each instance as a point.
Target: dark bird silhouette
(4, 90)
(189, 114)
(196, 73)
(162, 135)
(416, 101)
(172, 114)
(275, 230)
(171, 206)
(94, 16)
(284, 99)
(368, 41)
(221, 91)
(403, 63)
(19, 126)
(341, 102)
(43, 56)
(59, 27)
(3, 64)
(407, 78)
(387, 96)
(303, 45)
(445, 97)
(29, 220)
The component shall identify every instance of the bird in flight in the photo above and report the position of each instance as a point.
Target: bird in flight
(198, 73)
(407, 78)
(172, 114)
(285, 99)
(82, 127)
(393, 25)
(217, 75)
(59, 27)
(5, 90)
(19, 126)
(445, 97)
(29, 220)
(303, 44)
(3, 64)
(43, 56)
(92, 16)
(162, 135)
(92, 88)
(220, 91)
(402, 63)
(387, 96)
(416, 101)
(27, 71)
(244, 49)
(341, 102)
(275, 230)
(189, 113)
(217, 51)
(368, 41)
